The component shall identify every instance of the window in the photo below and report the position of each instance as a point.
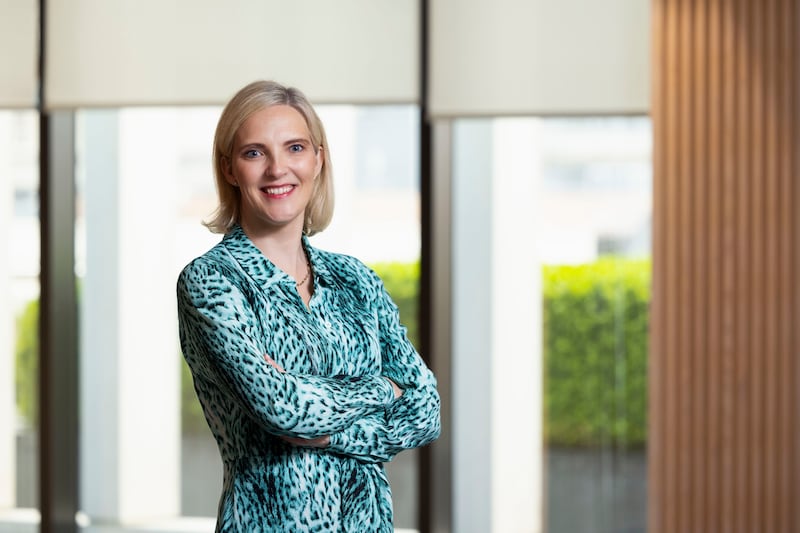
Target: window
(595, 222)
(550, 277)
(19, 287)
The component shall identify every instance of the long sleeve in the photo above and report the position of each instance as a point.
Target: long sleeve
(411, 421)
(219, 332)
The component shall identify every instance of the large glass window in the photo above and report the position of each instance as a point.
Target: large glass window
(595, 246)
(19, 292)
(550, 282)
(145, 183)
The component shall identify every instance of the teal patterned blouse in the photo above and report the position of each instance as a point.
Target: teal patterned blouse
(235, 306)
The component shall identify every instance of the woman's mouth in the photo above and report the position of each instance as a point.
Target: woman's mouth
(281, 190)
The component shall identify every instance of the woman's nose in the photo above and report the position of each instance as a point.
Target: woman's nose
(277, 166)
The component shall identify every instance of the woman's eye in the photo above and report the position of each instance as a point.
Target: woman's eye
(250, 154)
(296, 148)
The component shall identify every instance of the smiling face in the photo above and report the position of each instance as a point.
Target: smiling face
(274, 164)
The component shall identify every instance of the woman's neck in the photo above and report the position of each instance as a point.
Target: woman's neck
(282, 246)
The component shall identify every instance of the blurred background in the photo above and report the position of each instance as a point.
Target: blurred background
(493, 162)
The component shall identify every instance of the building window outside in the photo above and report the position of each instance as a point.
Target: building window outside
(550, 283)
(19, 291)
(596, 202)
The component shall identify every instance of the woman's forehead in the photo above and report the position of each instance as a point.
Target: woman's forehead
(274, 122)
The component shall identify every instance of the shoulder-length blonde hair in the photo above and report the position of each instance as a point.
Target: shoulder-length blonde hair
(251, 98)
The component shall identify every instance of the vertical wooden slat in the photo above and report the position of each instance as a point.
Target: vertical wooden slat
(724, 389)
(698, 195)
(783, 247)
(740, 299)
(754, 178)
(784, 268)
(670, 162)
(716, 280)
(792, 158)
(729, 409)
(790, 246)
(656, 445)
(772, 268)
(792, 368)
(686, 287)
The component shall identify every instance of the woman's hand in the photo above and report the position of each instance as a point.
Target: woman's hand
(272, 362)
(397, 390)
(319, 442)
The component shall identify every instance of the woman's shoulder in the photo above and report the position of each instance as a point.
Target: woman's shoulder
(215, 260)
(345, 267)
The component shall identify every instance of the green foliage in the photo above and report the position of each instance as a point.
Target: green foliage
(402, 284)
(192, 419)
(26, 366)
(595, 350)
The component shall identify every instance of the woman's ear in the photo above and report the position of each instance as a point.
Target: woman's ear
(227, 170)
(320, 161)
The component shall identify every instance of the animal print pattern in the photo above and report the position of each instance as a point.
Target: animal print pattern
(234, 307)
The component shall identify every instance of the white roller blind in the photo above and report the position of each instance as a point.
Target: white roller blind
(152, 52)
(512, 57)
(19, 42)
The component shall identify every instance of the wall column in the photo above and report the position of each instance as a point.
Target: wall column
(130, 426)
(724, 384)
(496, 391)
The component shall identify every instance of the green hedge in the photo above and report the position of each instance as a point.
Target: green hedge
(26, 367)
(595, 350)
(402, 284)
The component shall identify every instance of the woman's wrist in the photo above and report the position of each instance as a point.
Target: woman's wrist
(396, 390)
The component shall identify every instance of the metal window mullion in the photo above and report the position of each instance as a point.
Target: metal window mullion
(438, 457)
(58, 327)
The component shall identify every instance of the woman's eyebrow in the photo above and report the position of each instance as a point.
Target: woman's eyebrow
(287, 142)
(299, 140)
(252, 145)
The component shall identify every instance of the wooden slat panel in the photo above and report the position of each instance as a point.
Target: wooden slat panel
(772, 267)
(698, 195)
(671, 270)
(716, 280)
(657, 445)
(790, 246)
(729, 410)
(740, 298)
(754, 180)
(686, 282)
(726, 256)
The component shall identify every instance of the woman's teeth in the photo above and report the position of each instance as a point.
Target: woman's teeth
(278, 190)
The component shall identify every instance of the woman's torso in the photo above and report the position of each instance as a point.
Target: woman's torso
(270, 485)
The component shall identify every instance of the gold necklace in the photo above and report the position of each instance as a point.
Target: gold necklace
(308, 272)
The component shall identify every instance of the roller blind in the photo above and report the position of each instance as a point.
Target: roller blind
(510, 57)
(19, 38)
(170, 52)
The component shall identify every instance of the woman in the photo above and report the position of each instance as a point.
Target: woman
(305, 375)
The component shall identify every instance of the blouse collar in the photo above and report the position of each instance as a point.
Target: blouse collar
(261, 269)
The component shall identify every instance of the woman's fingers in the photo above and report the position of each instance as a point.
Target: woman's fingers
(396, 388)
(271, 361)
(319, 442)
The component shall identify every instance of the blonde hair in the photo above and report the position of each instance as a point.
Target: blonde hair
(251, 98)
